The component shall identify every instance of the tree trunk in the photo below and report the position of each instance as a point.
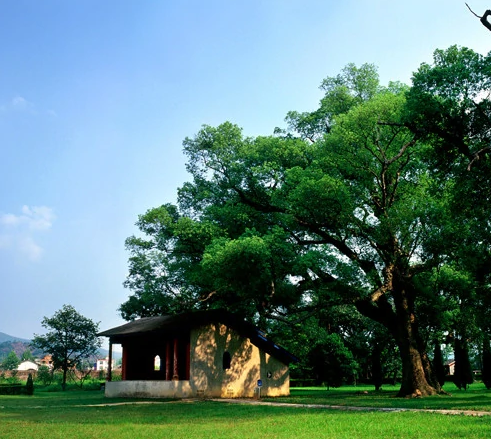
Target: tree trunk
(417, 376)
(399, 318)
(415, 370)
(63, 383)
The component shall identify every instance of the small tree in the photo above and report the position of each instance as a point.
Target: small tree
(463, 375)
(486, 362)
(27, 356)
(11, 362)
(438, 366)
(377, 368)
(44, 375)
(30, 385)
(72, 338)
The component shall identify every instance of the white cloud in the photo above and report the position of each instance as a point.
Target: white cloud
(29, 248)
(34, 218)
(17, 232)
(38, 217)
(19, 102)
(22, 104)
(9, 219)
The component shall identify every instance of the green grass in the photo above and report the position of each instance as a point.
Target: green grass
(86, 414)
(475, 398)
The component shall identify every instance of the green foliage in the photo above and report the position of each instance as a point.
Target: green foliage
(463, 375)
(365, 202)
(448, 103)
(486, 362)
(351, 87)
(30, 385)
(11, 362)
(449, 107)
(71, 339)
(27, 356)
(44, 375)
(438, 366)
(377, 368)
(332, 362)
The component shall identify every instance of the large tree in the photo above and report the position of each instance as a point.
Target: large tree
(70, 339)
(372, 200)
(335, 210)
(450, 107)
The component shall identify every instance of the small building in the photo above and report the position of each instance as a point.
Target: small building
(27, 365)
(46, 361)
(103, 364)
(450, 367)
(197, 354)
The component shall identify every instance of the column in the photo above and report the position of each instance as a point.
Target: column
(175, 375)
(110, 361)
(124, 363)
(168, 375)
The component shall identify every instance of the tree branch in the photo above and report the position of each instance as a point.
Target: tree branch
(472, 10)
(484, 18)
(477, 156)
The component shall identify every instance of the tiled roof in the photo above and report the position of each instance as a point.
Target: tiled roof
(169, 323)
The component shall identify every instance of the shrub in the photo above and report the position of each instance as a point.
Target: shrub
(44, 375)
(30, 385)
(463, 372)
(486, 363)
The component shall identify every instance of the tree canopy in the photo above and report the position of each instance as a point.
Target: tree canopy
(11, 362)
(71, 338)
(351, 205)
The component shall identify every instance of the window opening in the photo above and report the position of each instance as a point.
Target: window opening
(156, 363)
(226, 360)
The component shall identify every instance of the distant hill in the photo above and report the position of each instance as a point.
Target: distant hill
(19, 347)
(103, 353)
(9, 343)
(5, 337)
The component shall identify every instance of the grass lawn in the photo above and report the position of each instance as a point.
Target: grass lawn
(86, 414)
(475, 398)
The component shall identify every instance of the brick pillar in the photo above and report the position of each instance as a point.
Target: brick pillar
(110, 360)
(124, 363)
(188, 359)
(175, 375)
(168, 375)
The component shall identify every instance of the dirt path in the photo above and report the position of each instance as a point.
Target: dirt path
(278, 404)
(355, 409)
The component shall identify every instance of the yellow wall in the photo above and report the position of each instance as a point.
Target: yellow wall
(248, 365)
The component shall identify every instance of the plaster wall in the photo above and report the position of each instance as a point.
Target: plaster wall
(248, 365)
(148, 389)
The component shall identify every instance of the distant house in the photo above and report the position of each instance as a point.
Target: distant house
(27, 365)
(102, 364)
(207, 353)
(450, 367)
(46, 361)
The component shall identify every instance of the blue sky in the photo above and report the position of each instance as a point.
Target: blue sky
(96, 98)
